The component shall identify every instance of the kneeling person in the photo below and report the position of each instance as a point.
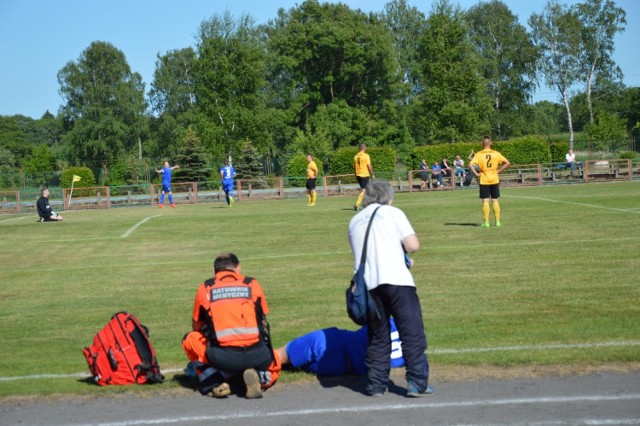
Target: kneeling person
(44, 208)
(230, 332)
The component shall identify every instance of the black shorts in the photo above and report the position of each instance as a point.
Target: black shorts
(424, 177)
(490, 191)
(311, 184)
(235, 359)
(363, 181)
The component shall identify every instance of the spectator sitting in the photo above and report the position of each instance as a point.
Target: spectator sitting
(436, 173)
(446, 170)
(458, 165)
(44, 209)
(570, 160)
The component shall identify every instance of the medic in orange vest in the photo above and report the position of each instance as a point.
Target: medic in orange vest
(230, 334)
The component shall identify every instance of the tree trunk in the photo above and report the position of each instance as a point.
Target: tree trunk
(589, 101)
(565, 99)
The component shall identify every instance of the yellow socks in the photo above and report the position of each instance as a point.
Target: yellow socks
(485, 211)
(314, 196)
(496, 210)
(360, 197)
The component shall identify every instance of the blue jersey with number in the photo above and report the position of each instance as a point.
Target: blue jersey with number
(334, 352)
(227, 173)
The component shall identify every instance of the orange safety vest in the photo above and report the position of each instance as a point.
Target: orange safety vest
(234, 310)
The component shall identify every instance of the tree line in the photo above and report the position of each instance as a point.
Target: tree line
(320, 76)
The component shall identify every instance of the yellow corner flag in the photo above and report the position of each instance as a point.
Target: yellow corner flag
(76, 178)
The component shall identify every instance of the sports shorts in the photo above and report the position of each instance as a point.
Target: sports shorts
(166, 187)
(227, 185)
(490, 191)
(311, 184)
(363, 181)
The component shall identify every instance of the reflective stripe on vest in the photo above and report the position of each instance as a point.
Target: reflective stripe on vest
(232, 309)
(237, 331)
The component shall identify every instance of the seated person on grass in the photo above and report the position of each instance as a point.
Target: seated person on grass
(45, 212)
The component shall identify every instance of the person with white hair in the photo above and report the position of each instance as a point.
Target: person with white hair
(392, 289)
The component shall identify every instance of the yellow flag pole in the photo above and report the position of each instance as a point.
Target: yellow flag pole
(73, 182)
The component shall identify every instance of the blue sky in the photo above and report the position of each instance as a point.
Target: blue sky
(38, 37)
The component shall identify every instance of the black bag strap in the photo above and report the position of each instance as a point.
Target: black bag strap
(363, 258)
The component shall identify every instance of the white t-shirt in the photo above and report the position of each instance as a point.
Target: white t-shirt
(570, 157)
(385, 255)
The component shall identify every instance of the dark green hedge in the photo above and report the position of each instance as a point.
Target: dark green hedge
(87, 180)
(524, 150)
(559, 151)
(383, 160)
(297, 169)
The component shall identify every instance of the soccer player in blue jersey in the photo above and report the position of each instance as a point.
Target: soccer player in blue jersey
(166, 172)
(227, 173)
(334, 352)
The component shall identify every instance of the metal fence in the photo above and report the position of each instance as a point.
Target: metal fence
(146, 194)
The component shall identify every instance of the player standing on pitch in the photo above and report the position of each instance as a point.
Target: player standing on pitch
(490, 163)
(227, 173)
(363, 170)
(166, 172)
(312, 174)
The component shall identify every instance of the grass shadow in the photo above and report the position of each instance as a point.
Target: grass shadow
(461, 224)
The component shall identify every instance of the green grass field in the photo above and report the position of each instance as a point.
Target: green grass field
(558, 284)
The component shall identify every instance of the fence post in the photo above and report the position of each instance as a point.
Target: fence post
(280, 187)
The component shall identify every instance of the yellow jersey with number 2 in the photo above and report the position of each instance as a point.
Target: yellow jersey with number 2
(488, 160)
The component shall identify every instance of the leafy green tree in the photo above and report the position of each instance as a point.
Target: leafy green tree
(230, 80)
(608, 133)
(406, 25)
(14, 140)
(322, 53)
(454, 104)
(104, 105)
(192, 159)
(601, 20)
(629, 107)
(41, 160)
(507, 60)
(556, 33)
(173, 87)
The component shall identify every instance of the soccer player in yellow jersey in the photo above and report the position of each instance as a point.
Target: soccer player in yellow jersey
(364, 170)
(312, 174)
(490, 163)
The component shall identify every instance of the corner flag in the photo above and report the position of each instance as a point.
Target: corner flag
(76, 178)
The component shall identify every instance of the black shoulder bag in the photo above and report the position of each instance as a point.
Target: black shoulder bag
(360, 304)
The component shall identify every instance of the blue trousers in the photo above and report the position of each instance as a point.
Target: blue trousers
(403, 304)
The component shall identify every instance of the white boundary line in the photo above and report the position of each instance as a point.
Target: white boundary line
(134, 227)
(633, 210)
(431, 351)
(384, 407)
(13, 218)
(537, 347)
